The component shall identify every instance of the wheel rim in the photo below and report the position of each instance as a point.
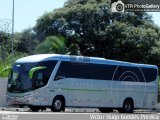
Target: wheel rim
(57, 104)
(127, 106)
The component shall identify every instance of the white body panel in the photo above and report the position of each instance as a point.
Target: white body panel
(90, 93)
(96, 93)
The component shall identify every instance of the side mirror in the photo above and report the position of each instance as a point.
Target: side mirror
(33, 70)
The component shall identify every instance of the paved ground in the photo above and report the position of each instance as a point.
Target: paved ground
(69, 110)
(3, 88)
(76, 114)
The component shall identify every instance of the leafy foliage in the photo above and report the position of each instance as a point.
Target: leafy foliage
(121, 36)
(52, 44)
(7, 63)
(83, 24)
(26, 41)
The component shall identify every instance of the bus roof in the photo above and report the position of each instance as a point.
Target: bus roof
(82, 59)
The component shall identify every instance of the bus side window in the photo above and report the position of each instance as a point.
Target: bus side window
(45, 79)
(39, 80)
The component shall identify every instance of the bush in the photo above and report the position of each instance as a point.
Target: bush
(7, 63)
(2, 67)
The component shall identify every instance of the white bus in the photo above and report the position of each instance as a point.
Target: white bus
(58, 81)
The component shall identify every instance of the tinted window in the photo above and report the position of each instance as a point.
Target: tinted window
(150, 74)
(132, 74)
(136, 74)
(42, 76)
(106, 72)
(50, 66)
(39, 81)
(86, 71)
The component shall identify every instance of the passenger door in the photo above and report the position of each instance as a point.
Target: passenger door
(41, 80)
(39, 90)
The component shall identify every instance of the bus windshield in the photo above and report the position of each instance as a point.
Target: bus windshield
(19, 80)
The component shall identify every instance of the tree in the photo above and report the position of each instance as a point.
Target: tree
(4, 38)
(52, 44)
(127, 43)
(154, 54)
(121, 36)
(74, 50)
(58, 45)
(25, 41)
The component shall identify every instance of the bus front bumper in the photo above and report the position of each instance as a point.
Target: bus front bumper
(19, 100)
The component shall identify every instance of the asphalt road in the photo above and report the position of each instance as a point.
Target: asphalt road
(68, 110)
(75, 114)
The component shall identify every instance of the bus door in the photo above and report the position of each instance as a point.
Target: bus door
(38, 88)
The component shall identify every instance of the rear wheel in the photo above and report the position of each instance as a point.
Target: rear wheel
(105, 110)
(34, 108)
(58, 105)
(128, 107)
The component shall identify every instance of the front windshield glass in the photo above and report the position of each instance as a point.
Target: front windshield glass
(19, 80)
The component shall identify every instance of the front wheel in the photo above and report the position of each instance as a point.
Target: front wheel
(57, 105)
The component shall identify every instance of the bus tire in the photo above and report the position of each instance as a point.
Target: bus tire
(58, 105)
(34, 108)
(128, 106)
(105, 110)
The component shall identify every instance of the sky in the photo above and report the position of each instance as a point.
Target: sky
(28, 11)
